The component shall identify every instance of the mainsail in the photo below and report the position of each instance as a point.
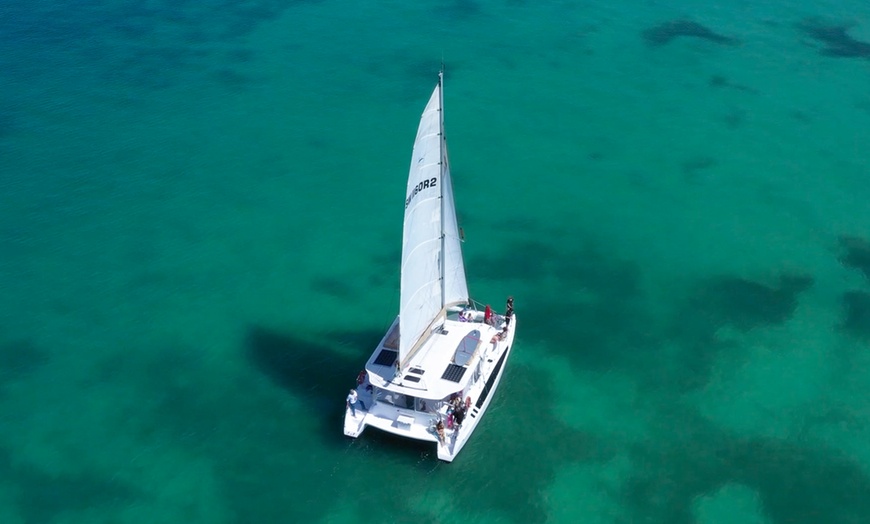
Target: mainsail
(433, 273)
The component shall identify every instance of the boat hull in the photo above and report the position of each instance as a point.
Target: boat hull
(421, 425)
(456, 441)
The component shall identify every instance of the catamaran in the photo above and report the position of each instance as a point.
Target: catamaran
(435, 371)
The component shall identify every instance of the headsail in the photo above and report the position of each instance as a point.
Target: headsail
(429, 283)
(455, 286)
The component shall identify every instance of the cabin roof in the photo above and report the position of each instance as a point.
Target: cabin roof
(443, 365)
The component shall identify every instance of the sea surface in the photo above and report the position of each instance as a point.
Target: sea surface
(200, 233)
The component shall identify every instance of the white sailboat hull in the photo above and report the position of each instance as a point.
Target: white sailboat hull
(414, 424)
(457, 440)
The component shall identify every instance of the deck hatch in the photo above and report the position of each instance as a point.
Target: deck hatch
(412, 378)
(417, 371)
(387, 357)
(453, 373)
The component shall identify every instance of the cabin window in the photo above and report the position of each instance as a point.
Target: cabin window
(395, 399)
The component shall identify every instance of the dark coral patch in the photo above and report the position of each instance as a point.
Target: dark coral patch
(460, 9)
(694, 164)
(719, 81)
(796, 484)
(693, 167)
(49, 497)
(6, 123)
(508, 432)
(726, 301)
(663, 33)
(835, 39)
(745, 304)
(734, 118)
(153, 44)
(20, 358)
(801, 116)
(856, 322)
(856, 254)
(231, 78)
(596, 318)
(332, 286)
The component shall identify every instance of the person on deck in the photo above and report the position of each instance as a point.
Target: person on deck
(459, 416)
(439, 428)
(509, 311)
(352, 399)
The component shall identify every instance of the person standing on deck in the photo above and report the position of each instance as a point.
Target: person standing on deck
(509, 312)
(459, 416)
(352, 399)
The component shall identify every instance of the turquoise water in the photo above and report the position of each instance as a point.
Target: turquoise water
(200, 207)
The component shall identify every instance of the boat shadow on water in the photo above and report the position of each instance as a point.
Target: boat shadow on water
(314, 372)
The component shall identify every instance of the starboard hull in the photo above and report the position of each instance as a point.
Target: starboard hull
(455, 442)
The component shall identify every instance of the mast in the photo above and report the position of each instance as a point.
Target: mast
(441, 163)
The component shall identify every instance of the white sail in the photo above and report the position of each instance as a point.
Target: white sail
(455, 286)
(429, 283)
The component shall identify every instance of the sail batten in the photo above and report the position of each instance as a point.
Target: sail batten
(432, 271)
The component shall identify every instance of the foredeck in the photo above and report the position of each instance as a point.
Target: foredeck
(443, 365)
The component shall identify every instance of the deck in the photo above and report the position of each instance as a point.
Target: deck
(420, 425)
